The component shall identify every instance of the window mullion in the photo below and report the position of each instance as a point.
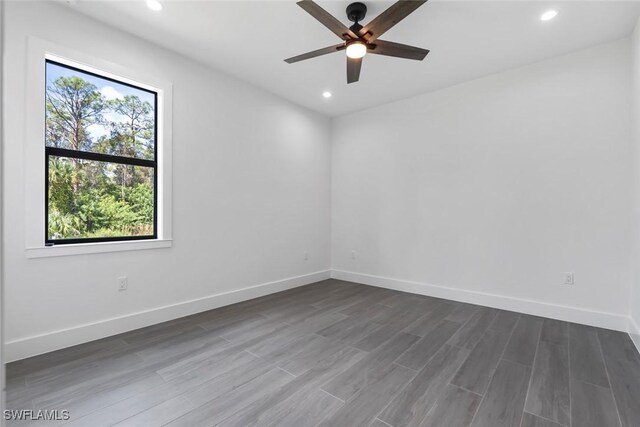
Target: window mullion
(99, 157)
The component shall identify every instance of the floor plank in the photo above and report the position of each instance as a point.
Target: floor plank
(419, 354)
(555, 331)
(308, 357)
(592, 406)
(428, 321)
(161, 414)
(349, 330)
(401, 319)
(378, 423)
(270, 409)
(503, 403)
(370, 369)
(362, 409)
(454, 409)
(548, 394)
(472, 331)
(505, 321)
(303, 409)
(210, 412)
(413, 403)
(530, 420)
(476, 372)
(587, 363)
(623, 366)
(524, 340)
(462, 312)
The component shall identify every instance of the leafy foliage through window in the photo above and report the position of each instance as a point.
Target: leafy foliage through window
(100, 147)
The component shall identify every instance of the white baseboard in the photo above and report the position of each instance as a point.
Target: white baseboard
(634, 332)
(571, 314)
(32, 346)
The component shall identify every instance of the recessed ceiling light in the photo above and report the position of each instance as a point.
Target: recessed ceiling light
(548, 15)
(154, 5)
(327, 94)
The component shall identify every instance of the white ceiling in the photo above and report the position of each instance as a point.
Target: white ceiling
(467, 39)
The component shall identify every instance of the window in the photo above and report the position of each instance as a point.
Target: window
(110, 220)
(101, 169)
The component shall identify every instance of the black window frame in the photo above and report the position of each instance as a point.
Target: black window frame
(100, 157)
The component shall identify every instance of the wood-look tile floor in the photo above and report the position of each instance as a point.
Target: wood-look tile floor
(341, 354)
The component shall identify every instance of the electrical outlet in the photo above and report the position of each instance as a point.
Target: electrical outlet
(353, 254)
(306, 256)
(569, 278)
(123, 283)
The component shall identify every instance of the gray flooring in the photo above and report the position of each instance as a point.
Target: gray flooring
(341, 354)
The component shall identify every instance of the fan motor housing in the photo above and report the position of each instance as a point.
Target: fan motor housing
(356, 12)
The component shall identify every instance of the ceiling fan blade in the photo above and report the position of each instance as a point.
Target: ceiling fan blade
(353, 69)
(383, 47)
(326, 19)
(390, 17)
(314, 53)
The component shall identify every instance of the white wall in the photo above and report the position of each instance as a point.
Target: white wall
(634, 327)
(251, 194)
(490, 190)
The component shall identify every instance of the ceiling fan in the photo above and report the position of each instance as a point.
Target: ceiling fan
(359, 40)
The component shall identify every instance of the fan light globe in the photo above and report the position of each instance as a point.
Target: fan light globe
(549, 15)
(356, 50)
(154, 5)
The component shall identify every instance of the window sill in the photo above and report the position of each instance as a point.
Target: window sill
(96, 248)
